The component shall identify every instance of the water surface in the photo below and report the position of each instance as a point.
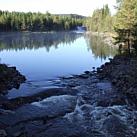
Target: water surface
(43, 57)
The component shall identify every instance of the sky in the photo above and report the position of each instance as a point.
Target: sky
(82, 7)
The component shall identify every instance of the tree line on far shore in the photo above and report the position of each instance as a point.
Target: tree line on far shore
(20, 21)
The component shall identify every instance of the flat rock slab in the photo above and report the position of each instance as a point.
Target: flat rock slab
(45, 109)
(19, 101)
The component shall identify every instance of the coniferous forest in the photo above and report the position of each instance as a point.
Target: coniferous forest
(101, 20)
(123, 24)
(20, 21)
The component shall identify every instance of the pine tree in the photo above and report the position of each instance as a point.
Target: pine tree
(126, 19)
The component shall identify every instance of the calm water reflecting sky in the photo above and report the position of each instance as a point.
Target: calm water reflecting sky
(43, 56)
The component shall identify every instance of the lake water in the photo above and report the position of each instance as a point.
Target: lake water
(44, 57)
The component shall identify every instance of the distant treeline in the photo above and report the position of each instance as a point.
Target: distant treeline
(20, 21)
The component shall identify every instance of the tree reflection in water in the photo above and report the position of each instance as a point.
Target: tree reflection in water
(99, 48)
(35, 40)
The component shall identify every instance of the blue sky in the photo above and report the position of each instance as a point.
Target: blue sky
(83, 7)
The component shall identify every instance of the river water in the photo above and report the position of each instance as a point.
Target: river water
(44, 57)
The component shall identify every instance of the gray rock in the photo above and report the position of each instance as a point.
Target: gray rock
(113, 126)
(3, 133)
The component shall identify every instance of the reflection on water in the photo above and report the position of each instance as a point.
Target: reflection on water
(45, 56)
(20, 41)
(99, 48)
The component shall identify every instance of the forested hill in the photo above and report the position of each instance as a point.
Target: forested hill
(72, 16)
(20, 21)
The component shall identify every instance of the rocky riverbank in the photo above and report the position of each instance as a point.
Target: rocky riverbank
(9, 78)
(99, 103)
(122, 72)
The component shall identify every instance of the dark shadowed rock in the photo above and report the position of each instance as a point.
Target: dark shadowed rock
(9, 78)
(113, 126)
(3, 133)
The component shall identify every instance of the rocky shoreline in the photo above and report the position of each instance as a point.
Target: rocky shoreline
(9, 78)
(122, 72)
(99, 103)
